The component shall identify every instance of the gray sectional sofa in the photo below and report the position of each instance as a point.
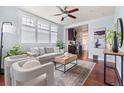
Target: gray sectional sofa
(44, 54)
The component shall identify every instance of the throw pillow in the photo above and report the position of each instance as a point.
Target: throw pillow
(49, 50)
(41, 50)
(35, 50)
(56, 49)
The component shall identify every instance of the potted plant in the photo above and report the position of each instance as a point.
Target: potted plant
(60, 44)
(16, 50)
(109, 38)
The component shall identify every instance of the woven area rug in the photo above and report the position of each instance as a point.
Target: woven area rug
(75, 76)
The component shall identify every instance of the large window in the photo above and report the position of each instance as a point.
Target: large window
(27, 30)
(37, 31)
(27, 21)
(43, 32)
(53, 33)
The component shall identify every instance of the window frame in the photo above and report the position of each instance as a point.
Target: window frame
(52, 31)
(30, 26)
(36, 22)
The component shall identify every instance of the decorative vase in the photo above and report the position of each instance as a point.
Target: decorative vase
(115, 43)
(66, 54)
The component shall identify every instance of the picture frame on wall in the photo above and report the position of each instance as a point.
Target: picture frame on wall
(99, 38)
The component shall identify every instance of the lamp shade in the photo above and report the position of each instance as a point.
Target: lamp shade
(9, 29)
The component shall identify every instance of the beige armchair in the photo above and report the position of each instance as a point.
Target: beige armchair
(32, 73)
(8, 61)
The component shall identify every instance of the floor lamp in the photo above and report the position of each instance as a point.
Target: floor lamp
(5, 28)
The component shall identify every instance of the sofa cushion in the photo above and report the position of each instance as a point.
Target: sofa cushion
(30, 64)
(35, 50)
(56, 49)
(41, 50)
(49, 50)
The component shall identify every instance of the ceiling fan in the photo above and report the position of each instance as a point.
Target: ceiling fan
(67, 12)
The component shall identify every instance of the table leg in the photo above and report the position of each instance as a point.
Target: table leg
(76, 61)
(115, 62)
(122, 70)
(104, 68)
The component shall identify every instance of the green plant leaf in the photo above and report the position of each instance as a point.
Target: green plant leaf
(109, 36)
(16, 50)
(60, 44)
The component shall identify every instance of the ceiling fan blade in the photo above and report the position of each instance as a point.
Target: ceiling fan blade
(60, 9)
(62, 19)
(57, 14)
(73, 10)
(72, 16)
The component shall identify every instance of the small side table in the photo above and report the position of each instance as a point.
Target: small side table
(121, 54)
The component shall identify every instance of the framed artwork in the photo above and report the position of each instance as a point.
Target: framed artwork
(99, 37)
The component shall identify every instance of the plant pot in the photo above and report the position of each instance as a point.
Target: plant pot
(115, 43)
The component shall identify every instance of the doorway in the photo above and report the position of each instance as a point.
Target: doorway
(85, 40)
(82, 38)
(77, 40)
(85, 43)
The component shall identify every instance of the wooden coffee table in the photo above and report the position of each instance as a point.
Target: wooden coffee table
(64, 60)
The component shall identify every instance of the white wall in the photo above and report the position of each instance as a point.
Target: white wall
(9, 14)
(119, 13)
(97, 23)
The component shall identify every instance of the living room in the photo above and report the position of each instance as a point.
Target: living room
(53, 40)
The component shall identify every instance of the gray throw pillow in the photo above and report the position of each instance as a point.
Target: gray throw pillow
(41, 50)
(49, 50)
(35, 50)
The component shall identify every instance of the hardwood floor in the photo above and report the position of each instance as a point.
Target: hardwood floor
(96, 77)
(2, 80)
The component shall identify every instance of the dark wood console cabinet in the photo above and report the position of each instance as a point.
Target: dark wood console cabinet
(72, 49)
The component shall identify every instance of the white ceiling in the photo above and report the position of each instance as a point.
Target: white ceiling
(85, 13)
(82, 28)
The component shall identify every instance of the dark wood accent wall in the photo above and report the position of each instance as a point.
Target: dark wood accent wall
(70, 34)
(72, 37)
